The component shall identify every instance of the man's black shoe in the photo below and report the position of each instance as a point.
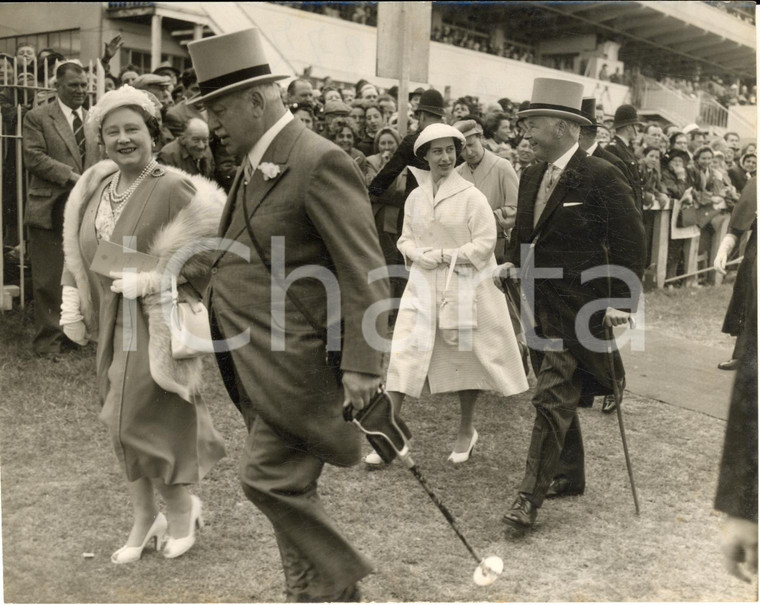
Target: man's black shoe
(609, 403)
(562, 486)
(522, 515)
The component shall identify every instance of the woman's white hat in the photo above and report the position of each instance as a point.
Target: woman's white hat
(229, 62)
(437, 131)
(556, 98)
(121, 97)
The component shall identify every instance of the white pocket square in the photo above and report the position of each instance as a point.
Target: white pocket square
(568, 204)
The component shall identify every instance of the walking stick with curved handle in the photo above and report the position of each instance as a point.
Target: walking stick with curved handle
(610, 336)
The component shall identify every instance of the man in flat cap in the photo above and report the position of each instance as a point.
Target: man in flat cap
(575, 213)
(299, 206)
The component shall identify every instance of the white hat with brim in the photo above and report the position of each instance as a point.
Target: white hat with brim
(437, 131)
(230, 62)
(557, 99)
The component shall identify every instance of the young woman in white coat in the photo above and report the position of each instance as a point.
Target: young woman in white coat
(453, 332)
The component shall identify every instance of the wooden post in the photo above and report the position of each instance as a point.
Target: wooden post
(660, 239)
(197, 31)
(155, 41)
(406, 63)
(717, 237)
(690, 251)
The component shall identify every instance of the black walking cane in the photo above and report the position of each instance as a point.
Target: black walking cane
(389, 436)
(619, 401)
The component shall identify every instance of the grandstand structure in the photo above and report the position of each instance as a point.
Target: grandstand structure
(489, 50)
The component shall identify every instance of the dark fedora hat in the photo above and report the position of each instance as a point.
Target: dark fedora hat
(431, 101)
(417, 91)
(625, 115)
(588, 109)
(676, 153)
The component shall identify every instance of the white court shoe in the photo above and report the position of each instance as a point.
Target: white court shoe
(176, 547)
(130, 554)
(459, 457)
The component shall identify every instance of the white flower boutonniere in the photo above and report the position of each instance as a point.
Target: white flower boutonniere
(269, 170)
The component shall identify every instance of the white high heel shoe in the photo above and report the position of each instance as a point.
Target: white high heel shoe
(130, 554)
(459, 457)
(176, 547)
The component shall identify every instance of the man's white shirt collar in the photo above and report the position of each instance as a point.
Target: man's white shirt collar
(69, 113)
(592, 149)
(562, 161)
(261, 146)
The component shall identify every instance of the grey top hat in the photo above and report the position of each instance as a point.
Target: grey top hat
(556, 98)
(230, 62)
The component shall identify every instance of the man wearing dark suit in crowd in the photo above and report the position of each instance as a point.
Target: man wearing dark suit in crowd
(303, 190)
(587, 141)
(190, 152)
(574, 213)
(56, 152)
(626, 121)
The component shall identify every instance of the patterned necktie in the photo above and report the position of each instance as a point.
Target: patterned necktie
(545, 191)
(247, 170)
(79, 135)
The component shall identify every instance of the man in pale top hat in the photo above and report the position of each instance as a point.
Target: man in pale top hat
(300, 204)
(574, 213)
(625, 126)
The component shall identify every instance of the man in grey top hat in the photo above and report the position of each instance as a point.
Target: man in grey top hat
(575, 214)
(299, 206)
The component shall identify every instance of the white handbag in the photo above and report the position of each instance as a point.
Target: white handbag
(189, 326)
(458, 309)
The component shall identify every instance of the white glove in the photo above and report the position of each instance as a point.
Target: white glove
(424, 257)
(725, 249)
(133, 285)
(77, 332)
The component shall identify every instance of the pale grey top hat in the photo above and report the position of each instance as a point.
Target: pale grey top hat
(556, 98)
(229, 62)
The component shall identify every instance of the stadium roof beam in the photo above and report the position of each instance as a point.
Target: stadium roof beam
(698, 45)
(673, 37)
(668, 27)
(748, 69)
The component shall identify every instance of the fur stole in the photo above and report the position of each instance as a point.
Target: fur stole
(197, 220)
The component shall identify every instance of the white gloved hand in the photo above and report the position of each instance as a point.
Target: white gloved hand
(725, 249)
(418, 256)
(77, 332)
(134, 285)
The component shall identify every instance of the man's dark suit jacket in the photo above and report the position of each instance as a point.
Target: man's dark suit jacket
(589, 221)
(175, 154)
(618, 147)
(599, 152)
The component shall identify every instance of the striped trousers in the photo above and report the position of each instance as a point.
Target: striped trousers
(556, 444)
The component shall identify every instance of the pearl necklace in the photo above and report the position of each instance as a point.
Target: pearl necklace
(119, 198)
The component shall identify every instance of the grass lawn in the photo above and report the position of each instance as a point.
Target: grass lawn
(63, 495)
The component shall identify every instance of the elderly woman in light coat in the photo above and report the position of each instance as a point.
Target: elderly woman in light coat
(453, 332)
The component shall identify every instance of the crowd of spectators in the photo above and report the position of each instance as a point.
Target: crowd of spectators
(362, 119)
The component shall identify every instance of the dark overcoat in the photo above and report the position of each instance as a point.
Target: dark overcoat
(318, 205)
(590, 220)
(618, 148)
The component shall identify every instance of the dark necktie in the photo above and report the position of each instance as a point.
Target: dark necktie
(79, 135)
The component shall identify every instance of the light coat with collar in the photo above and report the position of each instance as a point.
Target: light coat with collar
(51, 155)
(497, 180)
(457, 217)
